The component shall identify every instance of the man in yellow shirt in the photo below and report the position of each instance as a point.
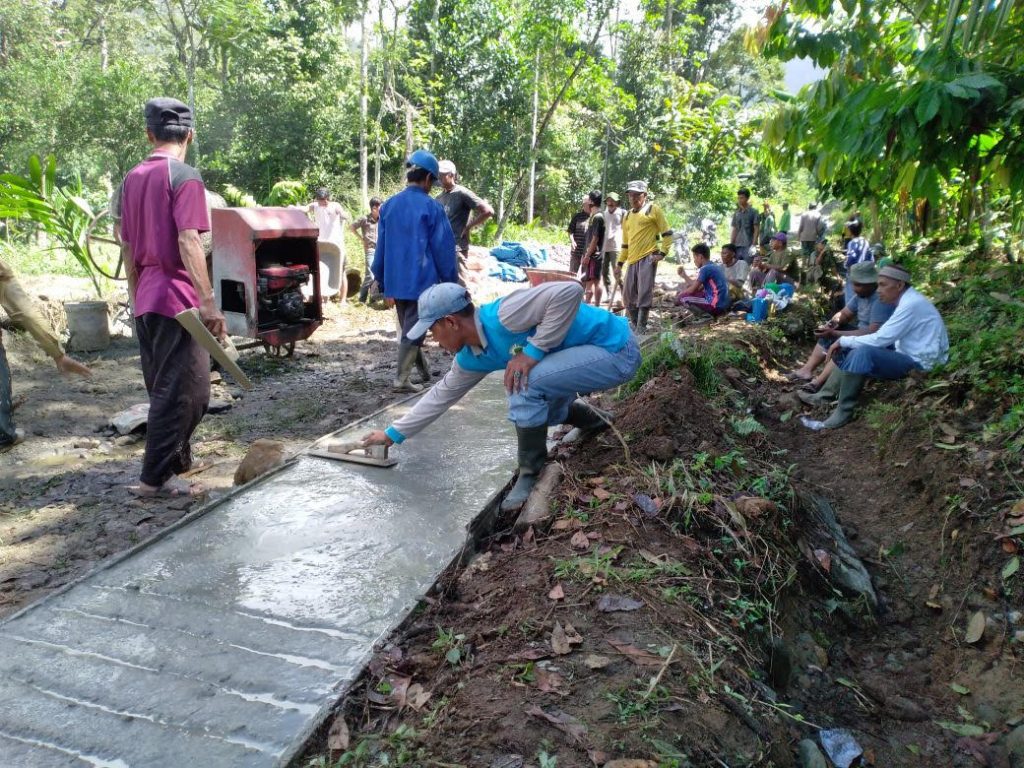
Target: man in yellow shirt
(18, 305)
(643, 229)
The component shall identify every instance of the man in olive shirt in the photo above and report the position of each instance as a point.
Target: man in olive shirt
(644, 233)
(19, 307)
(458, 202)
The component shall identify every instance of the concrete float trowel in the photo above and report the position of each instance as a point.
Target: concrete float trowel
(221, 350)
(355, 452)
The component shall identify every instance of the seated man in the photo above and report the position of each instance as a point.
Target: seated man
(551, 347)
(736, 272)
(868, 311)
(775, 267)
(709, 291)
(914, 338)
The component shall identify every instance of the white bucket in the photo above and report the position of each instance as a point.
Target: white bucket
(88, 326)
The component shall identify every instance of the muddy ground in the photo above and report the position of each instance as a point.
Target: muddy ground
(64, 498)
(682, 609)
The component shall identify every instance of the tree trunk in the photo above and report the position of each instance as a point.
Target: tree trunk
(531, 190)
(408, 129)
(104, 47)
(364, 64)
(584, 55)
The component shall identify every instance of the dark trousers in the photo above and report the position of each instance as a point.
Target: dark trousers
(6, 401)
(177, 374)
(607, 264)
(408, 315)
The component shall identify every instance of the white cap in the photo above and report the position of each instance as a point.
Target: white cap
(446, 166)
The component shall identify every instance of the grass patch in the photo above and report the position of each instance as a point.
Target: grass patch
(703, 357)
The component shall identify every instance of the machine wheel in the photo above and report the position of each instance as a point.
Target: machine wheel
(280, 350)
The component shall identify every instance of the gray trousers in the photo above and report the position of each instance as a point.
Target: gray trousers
(638, 292)
(6, 401)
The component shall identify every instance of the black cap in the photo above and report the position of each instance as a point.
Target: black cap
(163, 112)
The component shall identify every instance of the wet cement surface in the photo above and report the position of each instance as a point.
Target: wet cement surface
(226, 641)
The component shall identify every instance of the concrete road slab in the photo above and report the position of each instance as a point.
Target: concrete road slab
(226, 641)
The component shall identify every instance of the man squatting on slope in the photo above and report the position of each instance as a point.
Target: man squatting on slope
(552, 348)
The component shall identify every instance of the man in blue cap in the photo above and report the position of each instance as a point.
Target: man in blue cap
(415, 250)
(552, 348)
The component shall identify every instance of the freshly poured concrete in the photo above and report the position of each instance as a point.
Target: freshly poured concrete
(225, 642)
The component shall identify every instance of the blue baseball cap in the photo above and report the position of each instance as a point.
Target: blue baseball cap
(436, 302)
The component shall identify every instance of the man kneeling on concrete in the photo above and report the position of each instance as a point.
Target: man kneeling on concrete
(914, 338)
(552, 348)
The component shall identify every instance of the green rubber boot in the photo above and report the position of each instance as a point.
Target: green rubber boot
(849, 390)
(641, 319)
(587, 419)
(422, 366)
(406, 359)
(533, 452)
(827, 394)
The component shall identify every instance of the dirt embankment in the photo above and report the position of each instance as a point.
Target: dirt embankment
(683, 608)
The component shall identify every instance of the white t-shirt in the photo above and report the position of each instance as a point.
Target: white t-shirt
(613, 230)
(329, 219)
(738, 272)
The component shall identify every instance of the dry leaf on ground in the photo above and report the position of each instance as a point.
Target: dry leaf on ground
(579, 540)
(556, 593)
(567, 524)
(638, 656)
(611, 603)
(337, 736)
(559, 642)
(548, 681)
(566, 723)
(594, 661)
(416, 697)
(975, 628)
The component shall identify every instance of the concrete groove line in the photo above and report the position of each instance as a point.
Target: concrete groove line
(78, 652)
(95, 762)
(273, 620)
(178, 646)
(299, 661)
(260, 697)
(274, 750)
(108, 739)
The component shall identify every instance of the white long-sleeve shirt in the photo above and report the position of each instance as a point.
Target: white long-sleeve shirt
(915, 329)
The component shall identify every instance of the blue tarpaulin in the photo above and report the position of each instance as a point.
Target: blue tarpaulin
(519, 255)
(507, 272)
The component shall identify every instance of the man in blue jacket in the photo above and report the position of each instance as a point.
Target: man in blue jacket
(552, 348)
(415, 250)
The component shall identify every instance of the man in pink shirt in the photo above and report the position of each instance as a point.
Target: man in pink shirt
(162, 210)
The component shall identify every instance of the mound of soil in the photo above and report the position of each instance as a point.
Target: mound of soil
(666, 418)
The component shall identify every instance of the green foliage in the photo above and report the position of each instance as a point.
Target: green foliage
(288, 192)
(450, 645)
(61, 212)
(934, 112)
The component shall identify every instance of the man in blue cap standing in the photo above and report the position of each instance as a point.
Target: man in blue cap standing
(552, 348)
(415, 250)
